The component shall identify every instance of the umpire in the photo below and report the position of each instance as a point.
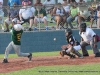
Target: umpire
(88, 37)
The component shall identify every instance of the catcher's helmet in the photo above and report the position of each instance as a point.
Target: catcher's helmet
(83, 27)
(68, 32)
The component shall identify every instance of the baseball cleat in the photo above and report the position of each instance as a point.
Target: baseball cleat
(97, 54)
(81, 56)
(86, 55)
(5, 61)
(30, 57)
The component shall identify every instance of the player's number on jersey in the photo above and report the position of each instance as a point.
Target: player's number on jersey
(18, 37)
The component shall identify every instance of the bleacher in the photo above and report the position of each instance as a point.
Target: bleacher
(52, 26)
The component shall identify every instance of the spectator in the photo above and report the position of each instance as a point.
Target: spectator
(1, 4)
(11, 2)
(40, 16)
(49, 5)
(38, 2)
(93, 9)
(12, 14)
(29, 2)
(49, 2)
(98, 16)
(26, 14)
(88, 37)
(59, 15)
(81, 2)
(66, 6)
(84, 14)
(1, 14)
(72, 1)
(73, 15)
(92, 18)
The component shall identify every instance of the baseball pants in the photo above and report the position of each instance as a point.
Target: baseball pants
(17, 50)
(84, 44)
(77, 48)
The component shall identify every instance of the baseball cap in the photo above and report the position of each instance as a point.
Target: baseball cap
(25, 0)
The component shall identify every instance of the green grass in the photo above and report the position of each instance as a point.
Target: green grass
(90, 69)
(34, 54)
(53, 53)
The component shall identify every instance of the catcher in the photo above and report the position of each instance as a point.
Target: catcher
(15, 44)
(72, 47)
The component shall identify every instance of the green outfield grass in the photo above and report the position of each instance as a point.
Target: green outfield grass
(54, 53)
(88, 69)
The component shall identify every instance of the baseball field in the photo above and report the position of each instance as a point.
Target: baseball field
(50, 63)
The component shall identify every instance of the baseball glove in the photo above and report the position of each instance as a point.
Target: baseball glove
(62, 53)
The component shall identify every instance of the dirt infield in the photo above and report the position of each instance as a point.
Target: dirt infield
(22, 63)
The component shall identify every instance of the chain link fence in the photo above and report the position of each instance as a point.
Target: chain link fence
(7, 8)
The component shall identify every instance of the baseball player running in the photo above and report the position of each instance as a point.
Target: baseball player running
(15, 44)
(72, 46)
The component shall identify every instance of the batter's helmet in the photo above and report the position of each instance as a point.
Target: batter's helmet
(18, 27)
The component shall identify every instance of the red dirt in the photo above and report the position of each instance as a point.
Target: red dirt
(22, 63)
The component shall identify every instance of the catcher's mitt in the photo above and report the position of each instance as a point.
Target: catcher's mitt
(62, 53)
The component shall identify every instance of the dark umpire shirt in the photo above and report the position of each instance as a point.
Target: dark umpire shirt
(71, 40)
